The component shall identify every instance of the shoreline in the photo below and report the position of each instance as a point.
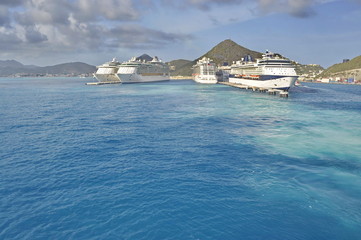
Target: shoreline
(340, 83)
(180, 77)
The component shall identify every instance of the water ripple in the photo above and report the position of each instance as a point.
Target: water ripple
(178, 160)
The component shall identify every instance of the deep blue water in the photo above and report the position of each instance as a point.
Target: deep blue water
(178, 160)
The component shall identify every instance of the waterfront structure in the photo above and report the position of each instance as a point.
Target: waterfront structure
(107, 71)
(137, 70)
(272, 71)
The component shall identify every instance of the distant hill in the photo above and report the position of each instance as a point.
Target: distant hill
(181, 67)
(10, 63)
(307, 68)
(179, 63)
(229, 51)
(145, 57)
(308, 71)
(14, 68)
(74, 68)
(226, 51)
(342, 69)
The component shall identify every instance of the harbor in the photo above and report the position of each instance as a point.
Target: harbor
(281, 93)
(271, 73)
(193, 119)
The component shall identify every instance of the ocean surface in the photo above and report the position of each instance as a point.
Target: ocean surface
(178, 160)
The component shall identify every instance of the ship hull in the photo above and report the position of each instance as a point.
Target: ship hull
(106, 77)
(281, 83)
(136, 78)
(205, 79)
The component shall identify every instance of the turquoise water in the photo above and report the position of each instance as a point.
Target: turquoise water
(178, 160)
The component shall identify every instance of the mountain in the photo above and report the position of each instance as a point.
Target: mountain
(145, 57)
(10, 63)
(343, 70)
(226, 51)
(74, 68)
(229, 51)
(181, 67)
(14, 68)
(308, 71)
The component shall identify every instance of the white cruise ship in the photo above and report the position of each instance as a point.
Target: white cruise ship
(107, 71)
(270, 72)
(136, 71)
(205, 71)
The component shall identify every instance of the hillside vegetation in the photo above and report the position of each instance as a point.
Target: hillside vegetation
(308, 71)
(229, 51)
(75, 68)
(355, 63)
(224, 52)
(181, 67)
(14, 68)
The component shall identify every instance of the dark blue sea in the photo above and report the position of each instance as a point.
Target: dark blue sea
(178, 160)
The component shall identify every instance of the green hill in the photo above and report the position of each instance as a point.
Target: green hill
(73, 68)
(342, 68)
(229, 51)
(308, 71)
(224, 52)
(14, 68)
(181, 67)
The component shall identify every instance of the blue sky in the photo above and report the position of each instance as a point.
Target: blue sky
(49, 32)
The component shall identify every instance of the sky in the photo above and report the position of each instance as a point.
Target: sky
(50, 32)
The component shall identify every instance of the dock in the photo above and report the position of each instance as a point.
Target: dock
(281, 93)
(103, 83)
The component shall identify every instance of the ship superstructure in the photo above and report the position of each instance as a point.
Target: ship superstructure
(137, 70)
(272, 71)
(107, 71)
(206, 71)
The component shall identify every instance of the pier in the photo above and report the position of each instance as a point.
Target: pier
(103, 83)
(281, 93)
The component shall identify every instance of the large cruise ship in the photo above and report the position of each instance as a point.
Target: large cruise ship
(137, 70)
(205, 71)
(107, 71)
(272, 71)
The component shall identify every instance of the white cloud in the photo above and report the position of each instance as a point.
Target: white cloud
(4, 16)
(79, 25)
(298, 8)
(117, 10)
(73, 26)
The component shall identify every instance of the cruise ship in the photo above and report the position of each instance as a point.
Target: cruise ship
(107, 71)
(205, 71)
(272, 71)
(138, 70)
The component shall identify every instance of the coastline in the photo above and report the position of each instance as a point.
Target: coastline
(180, 77)
(340, 83)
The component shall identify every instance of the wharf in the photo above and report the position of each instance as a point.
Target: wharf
(281, 93)
(102, 83)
